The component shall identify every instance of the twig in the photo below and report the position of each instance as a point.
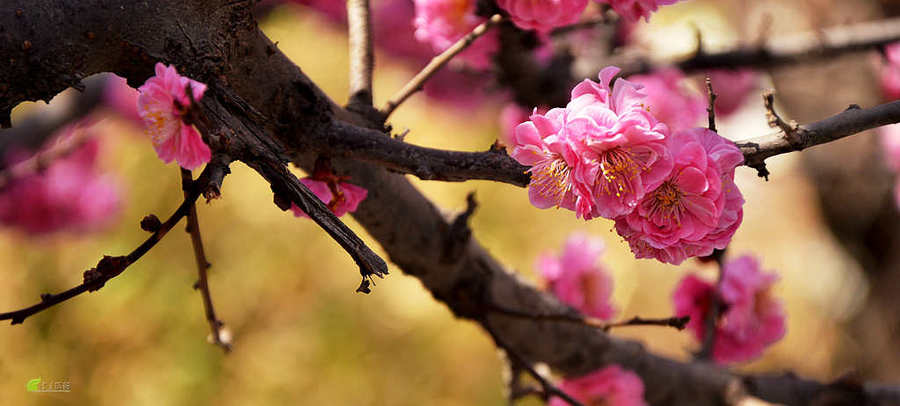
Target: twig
(362, 55)
(193, 228)
(713, 313)
(416, 83)
(110, 267)
(288, 189)
(711, 109)
(550, 390)
(677, 322)
(602, 18)
(775, 121)
(787, 50)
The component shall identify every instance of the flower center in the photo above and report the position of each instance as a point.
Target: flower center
(550, 178)
(617, 169)
(666, 203)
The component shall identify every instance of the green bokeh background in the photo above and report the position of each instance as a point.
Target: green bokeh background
(286, 291)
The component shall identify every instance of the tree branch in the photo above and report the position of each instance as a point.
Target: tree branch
(193, 228)
(362, 54)
(416, 83)
(110, 267)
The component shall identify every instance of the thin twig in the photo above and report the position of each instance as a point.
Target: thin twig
(193, 228)
(603, 17)
(416, 83)
(362, 55)
(676, 322)
(550, 390)
(109, 267)
(711, 109)
(775, 120)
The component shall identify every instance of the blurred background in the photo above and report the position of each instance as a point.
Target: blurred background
(825, 223)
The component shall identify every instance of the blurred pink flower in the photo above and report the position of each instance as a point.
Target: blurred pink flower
(696, 209)
(69, 195)
(633, 10)
(625, 150)
(611, 386)
(671, 100)
(543, 15)
(340, 197)
(163, 104)
(890, 71)
(732, 88)
(394, 32)
(440, 23)
(752, 319)
(577, 279)
(122, 99)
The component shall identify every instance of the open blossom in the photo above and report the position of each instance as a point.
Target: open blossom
(696, 209)
(441, 23)
(577, 279)
(543, 15)
(752, 319)
(890, 71)
(163, 103)
(68, 195)
(732, 88)
(597, 156)
(633, 10)
(671, 99)
(340, 197)
(610, 386)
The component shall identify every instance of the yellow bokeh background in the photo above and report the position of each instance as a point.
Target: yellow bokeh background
(286, 291)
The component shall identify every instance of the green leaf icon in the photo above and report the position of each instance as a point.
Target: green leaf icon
(33, 385)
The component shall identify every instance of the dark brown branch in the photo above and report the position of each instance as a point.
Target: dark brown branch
(193, 228)
(711, 319)
(362, 53)
(851, 121)
(574, 317)
(109, 267)
(788, 50)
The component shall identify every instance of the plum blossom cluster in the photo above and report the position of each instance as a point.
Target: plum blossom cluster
(340, 196)
(611, 386)
(750, 320)
(69, 195)
(672, 195)
(576, 278)
(165, 103)
(441, 23)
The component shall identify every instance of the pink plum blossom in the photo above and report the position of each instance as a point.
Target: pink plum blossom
(612, 386)
(543, 15)
(696, 209)
(671, 99)
(163, 103)
(340, 197)
(597, 156)
(441, 23)
(625, 154)
(69, 195)
(890, 71)
(732, 88)
(577, 279)
(751, 320)
(511, 116)
(633, 10)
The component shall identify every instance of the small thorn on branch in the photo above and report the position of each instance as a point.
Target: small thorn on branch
(459, 234)
(150, 223)
(791, 129)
